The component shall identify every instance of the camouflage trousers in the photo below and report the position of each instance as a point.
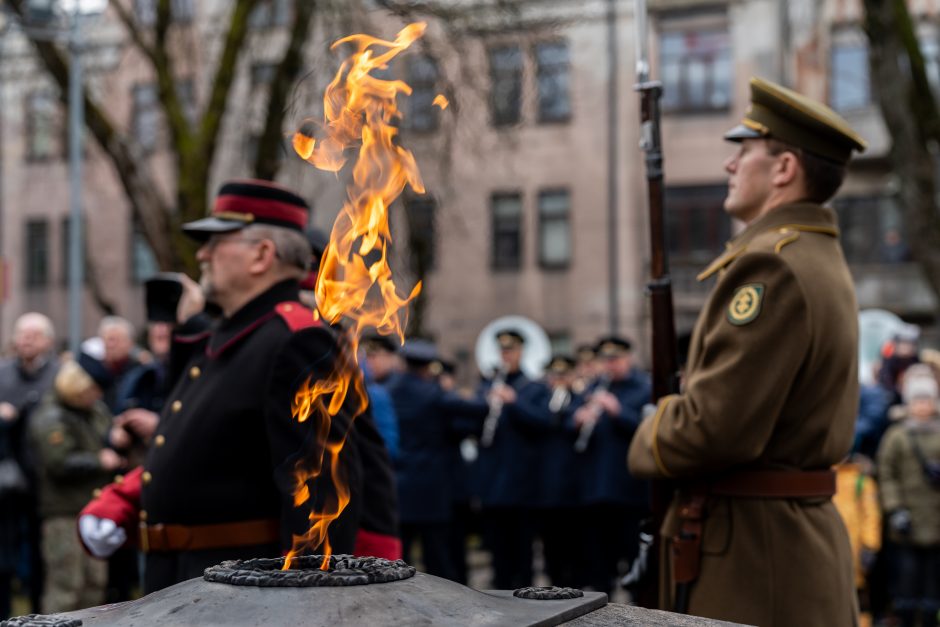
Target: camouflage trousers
(74, 579)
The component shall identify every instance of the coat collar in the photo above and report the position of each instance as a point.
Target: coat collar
(796, 217)
(255, 313)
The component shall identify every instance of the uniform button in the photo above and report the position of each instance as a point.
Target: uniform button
(119, 479)
(176, 406)
(194, 372)
(288, 308)
(143, 515)
(96, 493)
(159, 440)
(146, 477)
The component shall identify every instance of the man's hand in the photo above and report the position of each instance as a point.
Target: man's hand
(608, 402)
(102, 536)
(504, 393)
(110, 460)
(584, 415)
(119, 437)
(192, 301)
(8, 412)
(140, 422)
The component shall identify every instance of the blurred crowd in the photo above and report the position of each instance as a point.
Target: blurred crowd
(516, 467)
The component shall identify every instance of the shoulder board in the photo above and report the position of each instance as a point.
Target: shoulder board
(297, 316)
(722, 261)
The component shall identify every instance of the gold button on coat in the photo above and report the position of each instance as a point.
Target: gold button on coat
(146, 477)
(159, 440)
(143, 514)
(194, 372)
(176, 406)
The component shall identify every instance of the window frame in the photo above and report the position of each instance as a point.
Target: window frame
(516, 74)
(699, 24)
(544, 263)
(36, 275)
(498, 264)
(560, 68)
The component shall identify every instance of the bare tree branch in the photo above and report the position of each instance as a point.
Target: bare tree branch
(267, 160)
(137, 36)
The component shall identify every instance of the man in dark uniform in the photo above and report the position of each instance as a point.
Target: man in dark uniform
(614, 502)
(428, 416)
(508, 469)
(771, 388)
(549, 402)
(219, 478)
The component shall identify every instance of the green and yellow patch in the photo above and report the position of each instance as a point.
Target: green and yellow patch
(746, 304)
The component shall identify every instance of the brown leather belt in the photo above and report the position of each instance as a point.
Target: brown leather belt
(774, 484)
(744, 484)
(160, 537)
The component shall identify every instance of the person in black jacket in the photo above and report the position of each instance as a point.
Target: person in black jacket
(219, 478)
(428, 419)
(614, 501)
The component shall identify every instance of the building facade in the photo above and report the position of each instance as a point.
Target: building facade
(536, 201)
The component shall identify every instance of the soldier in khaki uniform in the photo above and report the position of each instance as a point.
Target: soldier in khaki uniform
(771, 388)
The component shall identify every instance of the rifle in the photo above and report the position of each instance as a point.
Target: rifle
(665, 362)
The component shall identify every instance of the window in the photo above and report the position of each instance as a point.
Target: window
(505, 84)
(872, 230)
(186, 92)
(270, 13)
(697, 226)
(65, 251)
(37, 253)
(507, 231)
(552, 63)
(44, 128)
(146, 116)
(554, 229)
(181, 11)
(696, 69)
(143, 261)
(422, 113)
(560, 342)
(422, 236)
(850, 86)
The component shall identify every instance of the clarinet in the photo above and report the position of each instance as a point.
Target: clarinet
(496, 408)
(560, 399)
(584, 436)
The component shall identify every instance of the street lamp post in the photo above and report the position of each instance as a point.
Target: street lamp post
(76, 123)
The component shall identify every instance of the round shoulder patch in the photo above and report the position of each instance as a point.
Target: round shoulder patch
(745, 304)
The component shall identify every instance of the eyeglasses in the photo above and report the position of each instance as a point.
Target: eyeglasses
(215, 240)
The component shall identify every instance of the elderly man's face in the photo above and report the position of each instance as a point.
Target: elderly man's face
(223, 261)
(30, 340)
(117, 344)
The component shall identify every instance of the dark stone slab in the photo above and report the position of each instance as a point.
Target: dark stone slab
(629, 616)
(420, 600)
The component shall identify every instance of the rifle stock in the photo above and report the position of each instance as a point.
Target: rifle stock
(665, 363)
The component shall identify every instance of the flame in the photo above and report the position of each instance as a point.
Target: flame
(355, 281)
(441, 101)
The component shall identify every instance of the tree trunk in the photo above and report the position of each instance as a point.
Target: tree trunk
(910, 112)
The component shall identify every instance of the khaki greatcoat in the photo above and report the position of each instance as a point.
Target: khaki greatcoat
(771, 384)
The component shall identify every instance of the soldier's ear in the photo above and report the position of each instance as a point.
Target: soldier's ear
(264, 256)
(786, 169)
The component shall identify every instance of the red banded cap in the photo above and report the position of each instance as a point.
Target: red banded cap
(243, 202)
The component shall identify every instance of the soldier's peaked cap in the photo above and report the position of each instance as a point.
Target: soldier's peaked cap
(612, 346)
(243, 202)
(510, 338)
(780, 113)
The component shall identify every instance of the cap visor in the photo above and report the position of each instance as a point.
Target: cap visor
(741, 132)
(202, 229)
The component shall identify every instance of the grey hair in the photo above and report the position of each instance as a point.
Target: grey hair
(39, 320)
(292, 247)
(110, 322)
